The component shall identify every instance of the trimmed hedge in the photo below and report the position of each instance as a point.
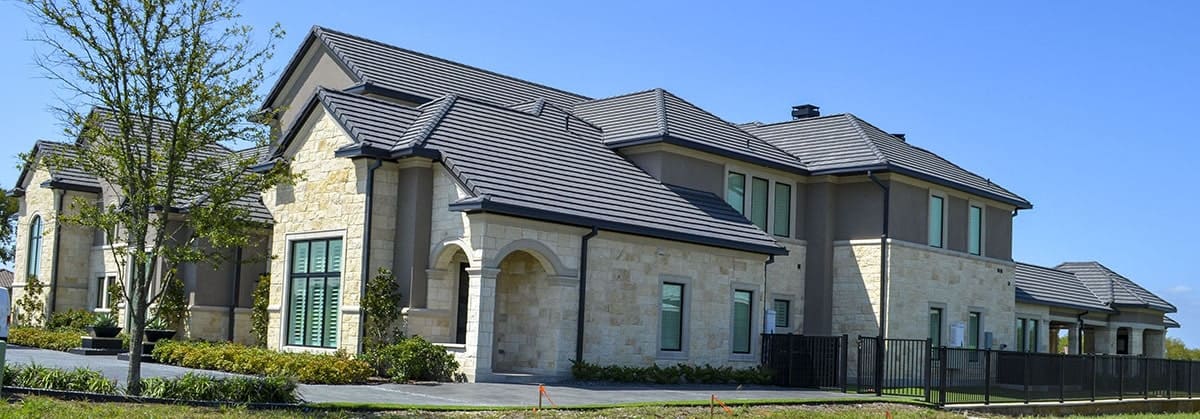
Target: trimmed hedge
(58, 340)
(307, 368)
(79, 379)
(675, 374)
(224, 389)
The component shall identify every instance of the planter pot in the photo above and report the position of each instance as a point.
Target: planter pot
(155, 335)
(104, 332)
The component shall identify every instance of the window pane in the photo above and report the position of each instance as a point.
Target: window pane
(935, 221)
(783, 209)
(33, 261)
(735, 191)
(974, 230)
(299, 302)
(316, 311)
(758, 208)
(1020, 332)
(935, 326)
(317, 256)
(300, 257)
(1031, 330)
(741, 321)
(973, 331)
(335, 256)
(100, 291)
(672, 317)
(782, 312)
(333, 288)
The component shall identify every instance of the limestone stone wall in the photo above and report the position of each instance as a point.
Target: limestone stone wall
(74, 276)
(38, 201)
(450, 240)
(328, 203)
(212, 323)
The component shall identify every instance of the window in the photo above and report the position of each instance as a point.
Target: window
(974, 321)
(936, 220)
(935, 326)
(671, 317)
(735, 191)
(783, 313)
(974, 230)
(34, 253)
(464, 287)
(742, 323)
(1027, 335)
(103, 284)
(783, 209)
(759, 192)
(316, 276)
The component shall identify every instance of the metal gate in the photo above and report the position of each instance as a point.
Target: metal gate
(898, 367)
(806, 361)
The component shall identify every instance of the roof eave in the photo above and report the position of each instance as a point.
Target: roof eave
(685, 143)
(67, 186)
(488, 206)
(888, 167)
(372, 88)
(1033, 300)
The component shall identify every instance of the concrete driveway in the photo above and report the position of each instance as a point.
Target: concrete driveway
(108, 365)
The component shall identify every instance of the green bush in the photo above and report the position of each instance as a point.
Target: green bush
(58, 340)
(680, 373)
(71, 319)
(381, 306)
(307, 368)
(231, 389)
(104, 320)
(36, 376)
(259, 314)
(413, 359)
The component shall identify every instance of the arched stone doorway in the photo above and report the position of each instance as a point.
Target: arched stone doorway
(533, 317)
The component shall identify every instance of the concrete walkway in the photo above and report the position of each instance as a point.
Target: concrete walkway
(448, 394)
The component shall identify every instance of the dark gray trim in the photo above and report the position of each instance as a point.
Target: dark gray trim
(928, 178)
(366, 246)
(294, 62)
(673, 140)
(371, 88)
(1034, 300)
(57, 245)
(485, 205)
(58, 184)
(579, 319)
(236, 292)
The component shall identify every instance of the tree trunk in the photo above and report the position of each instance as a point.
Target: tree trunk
(136, 325)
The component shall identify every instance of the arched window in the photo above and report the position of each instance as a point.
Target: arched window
(34, 252)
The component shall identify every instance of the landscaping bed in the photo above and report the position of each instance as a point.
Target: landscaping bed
(85, 383)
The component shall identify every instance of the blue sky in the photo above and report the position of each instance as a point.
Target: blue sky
(1084, 108)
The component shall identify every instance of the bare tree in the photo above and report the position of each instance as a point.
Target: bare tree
(153, 89)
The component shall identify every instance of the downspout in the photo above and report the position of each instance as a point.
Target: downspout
(237, 288)
(770, 260)
(883, 285)
(579, 320)
(366, 252)
(57, 244)
(1079, 332)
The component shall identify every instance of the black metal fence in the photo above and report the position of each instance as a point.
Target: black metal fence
(985, 376)
(901, 368)
(806, 361)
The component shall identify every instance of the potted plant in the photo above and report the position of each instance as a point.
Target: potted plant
(105, 326)
(158, 329)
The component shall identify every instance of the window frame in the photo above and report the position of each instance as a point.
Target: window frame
(685, 314)
(741, 209)
(787, 216)
(289, 276)
(941, 324)
(980, 235)
(749, 322)
(787, 320)
(767, 202)
(942, 199)
(33, 246)
(749, 175)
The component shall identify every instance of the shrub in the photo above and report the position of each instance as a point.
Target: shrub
(104, 320)
(36, 376)
(381, 306)
(33, 307)
(307, 368)
(258, 314)
(58, 340)
(413, 359)
(680, 373)
(157, 323)
(172, 305)
(71, 319)
(226, 389)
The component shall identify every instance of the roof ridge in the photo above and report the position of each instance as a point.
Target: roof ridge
(323, 29)
(663, 128)
(854, 121)
(639, 92)
(792, 121)
(739, 129)
(447, 102)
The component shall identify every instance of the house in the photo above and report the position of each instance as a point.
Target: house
(76, 266)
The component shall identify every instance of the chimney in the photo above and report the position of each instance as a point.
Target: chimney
(805, 111)
(899, 135)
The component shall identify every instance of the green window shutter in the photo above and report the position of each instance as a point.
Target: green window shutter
(335, 255)
(318, 250)
(742, 301)
(758, 209)
(333, 284)
(783, 209)
(300, 258)
(316, 311)
(299, 302)
(735, 191)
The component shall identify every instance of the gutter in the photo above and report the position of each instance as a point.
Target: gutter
(236, 292)
(366, 252)
(57, 244)
(579, 319)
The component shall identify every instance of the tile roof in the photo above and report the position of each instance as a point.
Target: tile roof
(1170, 323)
(1040, 285)
(843, 142)
(422, 77)
(1114, 288)
(550, 166)
(658, 115)
(6, 278)
(63, 177)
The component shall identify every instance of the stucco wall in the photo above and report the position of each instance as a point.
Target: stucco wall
(329, 203)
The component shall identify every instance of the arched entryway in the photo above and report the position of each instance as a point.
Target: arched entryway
(528, 317)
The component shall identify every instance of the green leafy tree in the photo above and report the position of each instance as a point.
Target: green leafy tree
(173, 80)
(259, 314)
(31, 303)
(9, 207)
(1176, 349)
(172, 305)
(381, 305)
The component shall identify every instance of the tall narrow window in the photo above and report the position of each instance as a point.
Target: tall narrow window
(1031, 338)
(742, 323)
(783, 313)
(735, 191)
(102, 286)
(33, 260)
(783, 209)
(974, 230)
(671, 317)
(974, 321)
(935, 326)
(1020, 332)
(316, 276)
(464, 287)
(936, 220)
(760, 190)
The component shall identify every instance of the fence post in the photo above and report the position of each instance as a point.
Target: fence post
(1170, 376)
(1120, 377)
(1189, 378)
(787, 378)
(845, 343)
(1093, 356)
(858, 368)
(1062, 379)
(927, 360)
(1145, 377)
(1026, 372)
(987, 376)
(880, 352)
(942, 376)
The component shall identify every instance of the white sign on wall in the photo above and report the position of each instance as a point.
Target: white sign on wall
(958, 334)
